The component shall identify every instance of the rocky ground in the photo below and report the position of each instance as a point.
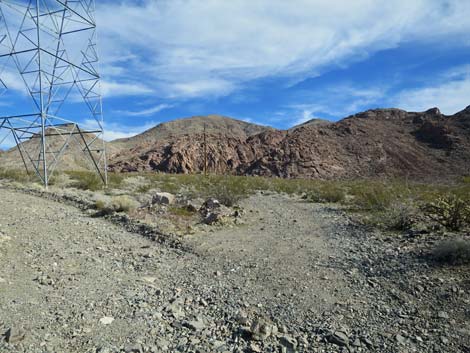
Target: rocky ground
(294, 277)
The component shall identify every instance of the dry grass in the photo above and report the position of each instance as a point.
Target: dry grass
(121, 203)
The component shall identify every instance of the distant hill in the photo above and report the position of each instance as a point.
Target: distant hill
(213, 124)
(382, 142)
(72, 158)
(313, 122)
(178, 146)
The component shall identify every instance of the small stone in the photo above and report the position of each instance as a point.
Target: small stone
(14, 335)
(136, 348)
(400, 339)
(257, 330)
(443, 315)
(149, 279)
(211, 218)
(210, 204)
(289, 342)
(255, 348)
(195, 325)
(339, 338)
(444, 340)
(107, 320)
(356, 343)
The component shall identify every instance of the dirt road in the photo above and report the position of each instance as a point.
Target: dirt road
(295, 277)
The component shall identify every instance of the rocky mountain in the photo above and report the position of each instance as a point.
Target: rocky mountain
(176, 129)
(383, 142)
(178, 146)
(72, 158)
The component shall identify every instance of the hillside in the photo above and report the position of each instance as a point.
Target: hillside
(383, 142)
(72, 159)
(213, 124)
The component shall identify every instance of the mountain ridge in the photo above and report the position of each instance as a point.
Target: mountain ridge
(376, 142)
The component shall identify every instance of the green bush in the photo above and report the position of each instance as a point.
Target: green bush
(184, 211)
(16, 175)
(373, 197)
(85, 180)
(327, 192)
(400, 216)
(451, 211)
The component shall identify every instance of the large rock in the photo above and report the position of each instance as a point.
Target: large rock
(163, 198)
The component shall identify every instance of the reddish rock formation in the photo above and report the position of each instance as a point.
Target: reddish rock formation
(385, 142)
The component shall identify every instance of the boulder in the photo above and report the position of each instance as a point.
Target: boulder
(163, 198)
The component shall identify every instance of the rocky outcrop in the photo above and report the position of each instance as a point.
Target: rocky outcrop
(383, 142)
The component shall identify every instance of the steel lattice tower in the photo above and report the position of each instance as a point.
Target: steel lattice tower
(50, 48)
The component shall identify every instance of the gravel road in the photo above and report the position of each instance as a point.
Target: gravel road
(295, 277)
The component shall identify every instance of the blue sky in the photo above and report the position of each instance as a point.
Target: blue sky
(277, 62)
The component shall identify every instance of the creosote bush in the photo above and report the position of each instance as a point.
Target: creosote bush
(121, 203)
(400, 216)
(453, 251)
(326, 192)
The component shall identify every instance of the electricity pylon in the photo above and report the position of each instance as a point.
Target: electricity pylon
(48, 56)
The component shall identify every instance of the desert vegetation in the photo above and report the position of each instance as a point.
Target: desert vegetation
(392, 205)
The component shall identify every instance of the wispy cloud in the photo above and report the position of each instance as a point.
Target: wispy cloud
(306, 115)
(450, 93)
(339, 100)
(113, 130)
(144, 112)
(114, 88)
(190, 48)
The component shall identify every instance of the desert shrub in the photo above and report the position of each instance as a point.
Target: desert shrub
(123, 203)
(16, 175)
(120, 203)
(101, 205)
(183, 211)
(451, 211)
(453, 251)
(60, 180)
(115, 179)
(86, 180)
(327, 192)
(136, 183)
(401, 215)
(373, 196)
(229, 190)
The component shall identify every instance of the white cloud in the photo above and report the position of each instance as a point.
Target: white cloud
(306, 115)
(145, 112)
(188, 48)
(338, 101)
(449, 96)
(113, 130)
(113, 89)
